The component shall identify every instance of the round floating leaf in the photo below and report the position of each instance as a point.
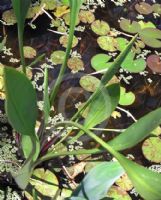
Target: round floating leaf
(29, 52)
(100, 62)
(66, 18)
(57, 57)
(64, 40)
(157, 8)
(130, 27)
(156, 131)
(45, 182)
(154, 63)
(75, 64)
(124, 182)
(133, 65)
(144, 8)
(86, 16)
(100, 27)
(107, 43)
(49, 4)
(151, 37)
(146, 24)
(89, 83)
(126, 99)
(118, 194)
(9, 17)
(122, 43)
(152, 149)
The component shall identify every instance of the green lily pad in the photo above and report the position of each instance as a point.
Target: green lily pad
(75, 64)
(144, 8)
(157, 8)
(46, 182)
(130, 27)
(64, 40)
(49, 4)
(29, 52)
(100, 62)
(124, 182)
(100, 27)
(66, 18)
(9, 17)
(89, 83)
(126, 98)
(156, 131)
(146, 24)
(107, 43)
(151, 37)
(118, 194)
(152, 149)
(86, 16)
(57, 57)
(122, 42)
(132, 65)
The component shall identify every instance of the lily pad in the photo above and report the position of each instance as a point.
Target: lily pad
(49, 4)
(75, 64)
(129, 26)
(86, 16)
(64, 40)
(100, 27)
(89, 83)
(152, 149)
(61, 10)
(57, 57)
(29, 52)
(151, 37)
(118, 194)
(46, 182)
(157, 8)
(66, 18)
(9, 17)
(122, 42)
(126, 98)
(146, 24)
(107, 43)
(124, 182)
(144, 8)
(154, 63)
(156, 131)
(100, 62)
(133, 65)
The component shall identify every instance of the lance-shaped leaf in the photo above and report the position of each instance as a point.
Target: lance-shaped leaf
(20, 9)
(103, 105)
(98, 181)
(21, 106)
(137, 131)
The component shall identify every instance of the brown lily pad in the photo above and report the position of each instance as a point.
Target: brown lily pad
(144, 8)
(154, 63)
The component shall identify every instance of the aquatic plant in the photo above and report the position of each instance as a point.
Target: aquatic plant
(22, 113)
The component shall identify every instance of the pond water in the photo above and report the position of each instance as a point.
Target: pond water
(145, 86)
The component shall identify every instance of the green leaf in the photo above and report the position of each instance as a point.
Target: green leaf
(100, 62)
(2, 44)
(126, 98)
(103, 105)
(151, 37)
(147, 183)
(20, 8)
(130, 27)
(45, 182)
(132, 65)
(98, 181)
(27, 146)
(21, 106)
(137, 131)
(46, 98)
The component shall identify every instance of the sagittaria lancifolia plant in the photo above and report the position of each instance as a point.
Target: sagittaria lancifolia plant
(21, 109)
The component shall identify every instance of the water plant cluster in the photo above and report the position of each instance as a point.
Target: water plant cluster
(33, 104)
